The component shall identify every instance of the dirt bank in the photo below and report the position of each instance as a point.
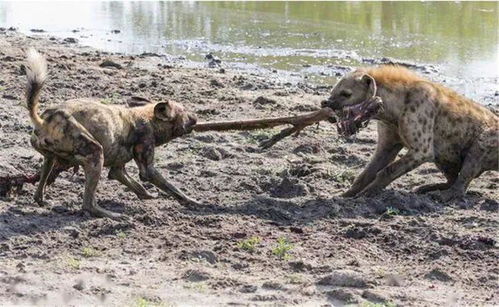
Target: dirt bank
(273, 230)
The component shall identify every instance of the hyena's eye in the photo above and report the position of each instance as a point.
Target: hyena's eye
(346, 93)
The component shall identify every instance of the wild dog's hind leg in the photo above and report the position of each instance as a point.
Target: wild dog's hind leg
(48, 164)
(120, 174)
(89, 154)
(386, 151)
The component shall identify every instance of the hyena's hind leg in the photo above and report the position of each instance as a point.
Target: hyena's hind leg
(46, 169)
(450, 173)
(482, 156)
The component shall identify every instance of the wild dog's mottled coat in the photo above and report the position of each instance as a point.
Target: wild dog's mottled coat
(87, 133)
(434, 123)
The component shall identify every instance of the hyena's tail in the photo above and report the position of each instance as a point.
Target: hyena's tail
(36, 71)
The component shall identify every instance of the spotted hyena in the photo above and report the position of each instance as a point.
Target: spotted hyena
(84, 132)
(433, 122)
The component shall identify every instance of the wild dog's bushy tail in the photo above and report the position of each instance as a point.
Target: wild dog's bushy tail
(36, 70)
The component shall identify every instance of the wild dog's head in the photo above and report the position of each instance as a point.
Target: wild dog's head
(354, 88)
(174, 113)
(170, 113)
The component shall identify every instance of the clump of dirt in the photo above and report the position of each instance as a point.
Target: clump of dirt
(272, 228)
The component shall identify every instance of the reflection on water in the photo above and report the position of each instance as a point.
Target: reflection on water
(304, 37)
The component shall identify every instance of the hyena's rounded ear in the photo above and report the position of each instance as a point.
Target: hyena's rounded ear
(370, 82)
(163, 111)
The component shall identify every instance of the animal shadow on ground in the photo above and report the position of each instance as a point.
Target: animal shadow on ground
(30, 220)
(301, 211)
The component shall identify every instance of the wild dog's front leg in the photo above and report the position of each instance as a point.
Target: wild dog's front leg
(48, 165)
(120, 174)
(154, 177)
(388, 147)
(144, 157)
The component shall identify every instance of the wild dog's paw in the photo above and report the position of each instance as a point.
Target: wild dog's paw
(194, 202)
(98, 211)
(187, 201)
(43, 203)
(148, 196)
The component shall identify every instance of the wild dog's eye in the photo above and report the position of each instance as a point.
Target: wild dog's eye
(346, 94)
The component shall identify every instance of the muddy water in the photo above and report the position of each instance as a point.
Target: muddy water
(307, 40)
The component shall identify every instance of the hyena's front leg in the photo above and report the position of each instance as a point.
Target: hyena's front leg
(416, 130)
(396, 169)
(386, 151)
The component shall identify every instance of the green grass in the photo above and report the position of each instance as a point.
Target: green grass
(142, 302)
(344, 176)
(2, 88)
(120, 234)
(89, 252)
(73, 263)
(198, 287)
(249, 244)
(111, 100)
(282, 249)
(390, 211)
(371, 304)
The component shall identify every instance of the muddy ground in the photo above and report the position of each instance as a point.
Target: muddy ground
(394, 249)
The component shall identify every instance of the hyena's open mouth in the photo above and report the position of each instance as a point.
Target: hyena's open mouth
(351, 119)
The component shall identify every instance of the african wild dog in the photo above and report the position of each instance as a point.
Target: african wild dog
(87, 133)
(433, 122)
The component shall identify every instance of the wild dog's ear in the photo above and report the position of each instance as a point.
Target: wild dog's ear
(370, 82)
(163, 111)
(136, 101)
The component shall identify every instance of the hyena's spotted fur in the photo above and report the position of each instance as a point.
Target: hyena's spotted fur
(433, 122)
(87, 133)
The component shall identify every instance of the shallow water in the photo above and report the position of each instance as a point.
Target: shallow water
(310, 40)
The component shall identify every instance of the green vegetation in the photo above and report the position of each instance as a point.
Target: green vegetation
(344, 176)
(390, 211)
(111, 100)
(249, 244)
(73, 263)
(120, 234)
(371, 304)
(143, 302)
(283, 248)
(296, 279)
(199, 287)
(89, 252)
